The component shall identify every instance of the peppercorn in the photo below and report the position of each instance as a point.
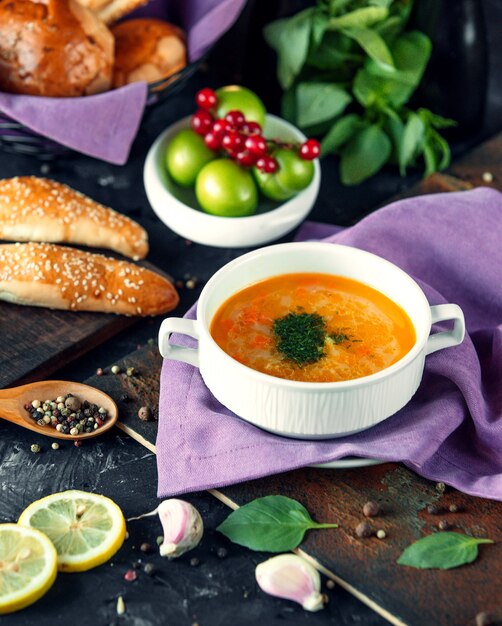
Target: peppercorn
(35, 448)
(125, 398)
(330, 584)
(130, 371)
(72, 403)
(443, 525)
(145, 548)
(55, 445)
(130, 576)
(190, 284)
(194, 561)
(99, 371)
(454, 508)
(487, 177)
(145, 414)
(77, 443)
(485, 619)
(159, 540)
(222, 553)
(115, 369)
(121, 608)
(149, 569)
(371, 509)
(381, 534)
(441, 487)
(364, 530)
(36, 404)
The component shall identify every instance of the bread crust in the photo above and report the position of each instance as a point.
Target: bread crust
(53, 48)
(46, 275)
(147, 49)
(39, 209)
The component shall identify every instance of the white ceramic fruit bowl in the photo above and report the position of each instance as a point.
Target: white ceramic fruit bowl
(302, 409)
(178, 207)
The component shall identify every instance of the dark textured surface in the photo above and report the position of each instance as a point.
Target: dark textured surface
(222, 592)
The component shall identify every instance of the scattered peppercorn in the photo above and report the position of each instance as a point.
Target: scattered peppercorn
(130, 576)
(55, 445)
(179, 284)
(35, 448)
(381, 534)
(454, 508)
(487, 177)
(77, 443)
(149, 569)
(99, 371)
(190, 284)
(364, 530)
(137, 564)
(441, 487)
(159, 540)
(115, 369)
(125, 398)
(221, 553)
(443, 525)
(151, 341)
(145, 548)
(145, 414)
(130, 371)
(194, 561)
(371, 509)
(330, 584)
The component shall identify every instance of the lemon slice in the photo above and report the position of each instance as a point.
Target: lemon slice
(28, 566)
(86, 529)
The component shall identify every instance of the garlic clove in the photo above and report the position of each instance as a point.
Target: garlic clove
(293, 578)
(182, 525)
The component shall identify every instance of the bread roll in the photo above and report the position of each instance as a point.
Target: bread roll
(38, 209)
(42, 274)
(147, 49)
(53, 48)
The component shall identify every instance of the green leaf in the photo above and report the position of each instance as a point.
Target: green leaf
(373, 44)
(328, 55)
(288, 105)
(317, 102)
(364, 155)
(340, 133)
(434, 120)
(441, 551)
(360, 18)
(319, 25)
(271, 524)
(431, 165)
(290, 38)
(443, 149)
(368, 89)
(412, 139)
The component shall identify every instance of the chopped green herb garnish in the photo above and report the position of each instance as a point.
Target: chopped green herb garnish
(337, 338)
(301, 337)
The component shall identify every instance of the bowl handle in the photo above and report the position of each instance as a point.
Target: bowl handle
(447, 338)
(173, 351)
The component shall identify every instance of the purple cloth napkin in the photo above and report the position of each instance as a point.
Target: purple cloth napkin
(104, 126)
(451, 431)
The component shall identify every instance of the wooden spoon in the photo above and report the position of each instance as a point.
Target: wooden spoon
(12, 403)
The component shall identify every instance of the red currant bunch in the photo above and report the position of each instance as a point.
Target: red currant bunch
(241, 140)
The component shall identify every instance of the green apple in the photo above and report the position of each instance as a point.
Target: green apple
(237, 98)
(186, 155)
(293, 175)
(226, 189)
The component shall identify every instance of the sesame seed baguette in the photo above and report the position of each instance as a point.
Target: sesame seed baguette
(46, 275)
(39, 209)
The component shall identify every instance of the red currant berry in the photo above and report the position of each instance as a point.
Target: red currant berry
(252, 128)
(310, 150)
(221, 126)
(235, 118)
(256, 145)
(245, 158)
(267, 164)
(202, 122)
(206, 99)
(213, 140)
(233, 141)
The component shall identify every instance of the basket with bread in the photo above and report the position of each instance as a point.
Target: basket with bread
(37, 215)
(75, 49)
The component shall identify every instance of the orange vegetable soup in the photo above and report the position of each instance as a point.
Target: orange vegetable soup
(313, 328)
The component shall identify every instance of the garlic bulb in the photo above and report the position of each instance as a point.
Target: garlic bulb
(293, 578)
(182, 525)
